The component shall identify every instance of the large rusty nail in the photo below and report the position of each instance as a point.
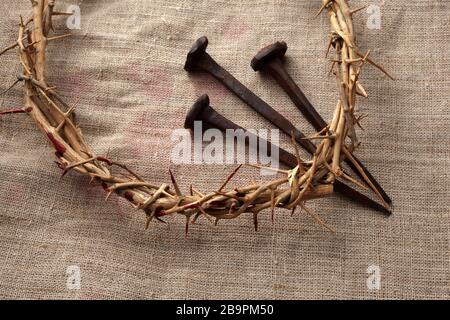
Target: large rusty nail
(202, 111)
(269, 60)
(199, 60)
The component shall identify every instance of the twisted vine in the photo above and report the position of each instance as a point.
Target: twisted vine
(308, 180)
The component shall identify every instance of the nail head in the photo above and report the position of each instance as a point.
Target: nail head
(196, 109)
(197, 50)
(267, 54)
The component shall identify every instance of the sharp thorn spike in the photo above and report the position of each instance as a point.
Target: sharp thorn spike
(147, 221)
(108, 195)
(352, 12)
(175, 184)
(323, 7)
(8, 48)
(230, 177)
(59, 37)
(272, 203)
(186, 228)
(255, 220)
(59, 13)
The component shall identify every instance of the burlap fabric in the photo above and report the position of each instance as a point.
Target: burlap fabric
(125, 65)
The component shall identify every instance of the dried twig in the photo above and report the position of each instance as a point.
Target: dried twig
(309, 180)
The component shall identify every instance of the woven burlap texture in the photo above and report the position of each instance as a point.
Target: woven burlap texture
(125, 65)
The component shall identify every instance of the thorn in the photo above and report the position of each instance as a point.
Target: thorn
(293, 210)
(266, 168)
(120, 165)
(360, 90)
(202, 211)
(147, 222)
(199, 207)
(323, 7)
(378, 66)
(233, 205)
(175, 184)
(197, 215)
(59, 37)
(330, 43)
(350, 61)
(333, 136)
(179, 202)
(333, 63)
(59, 127)
(32, 44)
(353, 180)
(230, 177)
(255, 220)
(186, 229)
(190, 190)
(50, 89)
(63, 174)
(105, 160)
(317, 218)
(352, 12)
(197, 192)
(364, 59)
(108, 195)
(58, 164)
(358, 121)
(109, 148)
(160, 220)
(59, 13)
(14, 111)
(350, 156)
(70, 111)
(272, 203)
(297, 153)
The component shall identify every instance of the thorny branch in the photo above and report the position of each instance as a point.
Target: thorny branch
(309, 180)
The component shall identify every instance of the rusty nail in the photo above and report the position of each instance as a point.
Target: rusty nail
(199, 60)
